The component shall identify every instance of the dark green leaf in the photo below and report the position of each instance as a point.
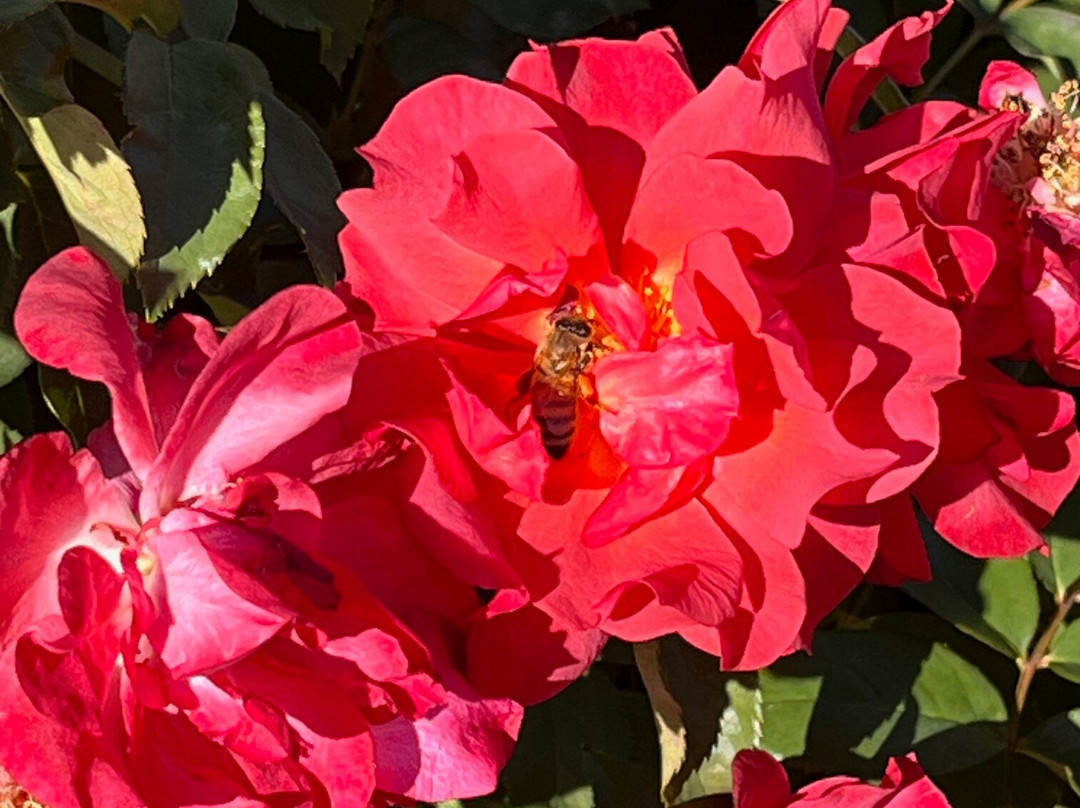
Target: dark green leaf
(421, 50)
(1043, 29)
(209, 19)
(340, 24)
(593, 744)
(79, 405)
(302, 182)
(1056, 743)
(197, 153)
(1064, 655)
(703, 716)
(8, 438)
(13, 359)
(548, 20)
(864, 696)
(32, 59)
(1004, 781)
(1063, 535)
(11, 11)
(995, 601)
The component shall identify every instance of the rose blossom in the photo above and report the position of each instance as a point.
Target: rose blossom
(761, 782)
(182, 622)
(740, 371)
(922, 197)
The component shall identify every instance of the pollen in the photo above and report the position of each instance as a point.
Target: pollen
(658, 302)
(1046, 147)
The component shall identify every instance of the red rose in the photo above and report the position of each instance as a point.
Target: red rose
(628, 311)
(761, 782)
(181, 624)
(923, 197)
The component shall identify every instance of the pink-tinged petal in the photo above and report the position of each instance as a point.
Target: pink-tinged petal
(59, 682)
(759, 781)
(970, 509)
(101, 349)
(640, 494)
(667, 407)
(205, 774)
(518, 197)
(787, 41)
(631, 87)
(519, 651)
(688, 196)
(900, 133)
(456, 750)
(1005, 80)
(621, 309)
(172, 359)
(434, 277)
(609, 99)
(899, 53)
(208, 623)
(226, 720)
(901, 551)
(771, 610)
(412, 153)
(285, 366)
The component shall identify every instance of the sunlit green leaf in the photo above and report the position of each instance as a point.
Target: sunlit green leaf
(1064, 654)
(13, 359)
(8, 438)
(197, 153)
(94, 182)
(302, 182)
(548, 20)
(703, 716)
(866, 695)
(995, 601)
(209, 19)
(1063, 536)
(339, 23)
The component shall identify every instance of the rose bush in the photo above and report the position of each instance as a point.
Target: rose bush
(761, 782)
(763, 394)
(226, 598)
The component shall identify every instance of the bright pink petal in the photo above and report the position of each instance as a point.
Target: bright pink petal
(667, 407)
(899, 53)
(102, 349)
(759, 781)
(278, 372)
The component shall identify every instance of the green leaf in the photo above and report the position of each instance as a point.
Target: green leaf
(1056, 744)
(79, 405)
(1064, 653)
(8, 438)
(548, 20)
(209, 19)
(11, 11)
(341, 24)
(864, 696)
(13, 359)
(302, 182)
(93, 180)
(197, 152)
(33, 55)
(703, 716)
(1043, 29)
(1063, 536)
(593, 744)
(420, 50)
(162, 15)
(995, 601)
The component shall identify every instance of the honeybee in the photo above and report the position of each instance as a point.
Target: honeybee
(567, 351)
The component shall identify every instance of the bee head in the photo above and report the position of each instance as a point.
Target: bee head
(574, 325)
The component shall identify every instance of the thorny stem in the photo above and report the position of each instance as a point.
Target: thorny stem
(94, 57)
(1037, 660)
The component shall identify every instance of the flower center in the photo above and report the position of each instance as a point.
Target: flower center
(658, 303)
(1047, 147)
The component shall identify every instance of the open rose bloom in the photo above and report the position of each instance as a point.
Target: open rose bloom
(777, 360)
(612, 357)
(761, 782)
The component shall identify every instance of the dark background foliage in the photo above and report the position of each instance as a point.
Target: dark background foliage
(239, 121)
